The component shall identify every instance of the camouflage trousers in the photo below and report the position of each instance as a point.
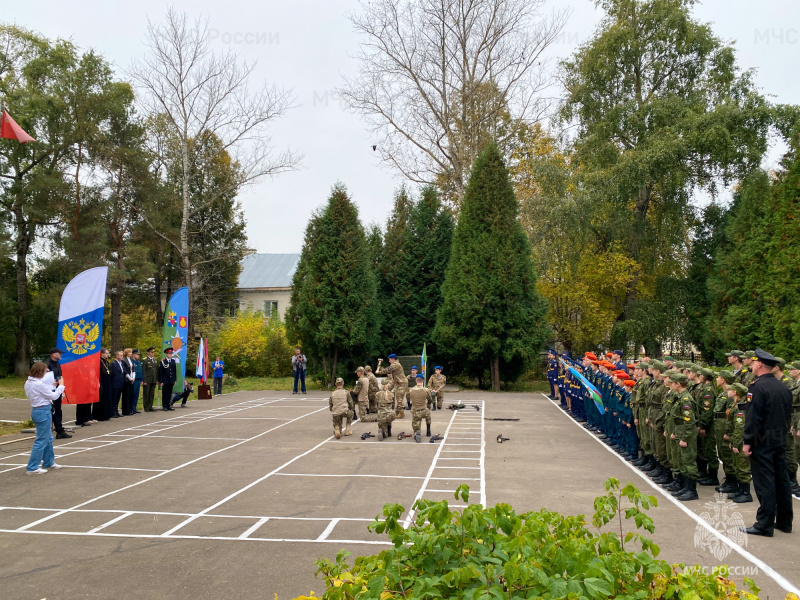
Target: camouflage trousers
(347, 418)
(688, 457)
(659, 443)
(723, 447)
(673, 461)
(438, 398)
(791, 453)
(400, 393)
(417, 415)
(707, 448)
(741, 465)
(362, 413)
(385, 415)
(372, 406)
(795, 429)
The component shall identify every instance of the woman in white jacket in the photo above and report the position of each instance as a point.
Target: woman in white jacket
(41, 395)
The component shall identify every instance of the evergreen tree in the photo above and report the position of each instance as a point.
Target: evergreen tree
(426, 256)
(491, 310)
(333, 309)
(391, 292)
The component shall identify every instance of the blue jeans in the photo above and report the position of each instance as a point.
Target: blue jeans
(300, 375)
(42, 452)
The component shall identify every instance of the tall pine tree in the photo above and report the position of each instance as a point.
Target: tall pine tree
(492, 313)
(333, 309)
(426, 256)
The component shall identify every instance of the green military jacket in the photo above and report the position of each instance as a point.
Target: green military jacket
(739, 414)
(686, 430)
(705, 395)
(150, 370)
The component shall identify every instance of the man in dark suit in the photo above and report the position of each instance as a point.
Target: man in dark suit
(118, 378)
(54, 366)
(167, 376)
(765, 426)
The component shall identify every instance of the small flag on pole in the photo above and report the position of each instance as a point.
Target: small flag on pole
(202, 361)
(424, 358)
(9, 129)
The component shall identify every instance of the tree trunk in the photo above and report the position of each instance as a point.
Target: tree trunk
(494, 367)
(159, 310)
(116, 319)
(22, 363)
(325, 363)
(333, 366)
(186, 260)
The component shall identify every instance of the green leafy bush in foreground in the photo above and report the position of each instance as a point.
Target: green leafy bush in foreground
(494, 553)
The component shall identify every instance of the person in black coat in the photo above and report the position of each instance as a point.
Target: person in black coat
(765, 427)
(54, 366)
(101, 410)
(118, 378)
(167, 376)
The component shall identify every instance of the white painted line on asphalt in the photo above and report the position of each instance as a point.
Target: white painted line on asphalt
(769, 571)
(483, 455)
(95, 467)
(111, 522)
(186, 464)
(421, 491)
(188, 437)
(253, 528)
(441, 491)
(461, 451)
(476, 468)
(250, 485)
(324, 535)
(346, 476)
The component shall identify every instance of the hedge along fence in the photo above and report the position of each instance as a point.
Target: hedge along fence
(495, 554)
(252, 345)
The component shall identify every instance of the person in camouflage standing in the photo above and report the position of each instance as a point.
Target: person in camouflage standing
(705, 394)
(420, 398)
(412, 382)
(373, 388)
(341, 405)
(385, 401)
(361, 396)
(735, 364)
(722, 407)
(399, 382)
(746, 375)
(673, 480)
(655, 419)
(436, 384)
(640, 415)
(794, 430)
(738, 394)
(685, 432)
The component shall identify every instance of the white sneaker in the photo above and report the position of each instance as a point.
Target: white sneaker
(38, 471)
(55, 466)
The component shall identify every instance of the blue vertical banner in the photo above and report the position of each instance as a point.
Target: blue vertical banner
(176, 333)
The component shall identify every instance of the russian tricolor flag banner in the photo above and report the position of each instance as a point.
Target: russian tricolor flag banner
(80, 331)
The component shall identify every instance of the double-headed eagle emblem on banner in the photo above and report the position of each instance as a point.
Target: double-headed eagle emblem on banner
(79, 337)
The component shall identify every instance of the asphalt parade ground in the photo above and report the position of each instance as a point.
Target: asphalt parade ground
(236, 497)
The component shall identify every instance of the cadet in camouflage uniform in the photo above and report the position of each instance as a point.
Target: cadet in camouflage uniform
(436, 384)
(705, 394)
(341, 405)
(361, 396)
(794, 430)
(735, 361)
(738, 394)
(640, 413)
(672, 480)
(399, 382)
(373, 388)
(722, 407)
(685, 432)
(655, 418)
(386, 411)
(412, 382)
(746, 375)
(420, 398)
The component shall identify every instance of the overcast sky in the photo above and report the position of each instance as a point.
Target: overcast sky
(306, 46)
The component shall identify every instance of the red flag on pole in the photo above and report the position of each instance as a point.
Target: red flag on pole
(9, 129)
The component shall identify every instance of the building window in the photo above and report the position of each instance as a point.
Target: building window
(270, 308)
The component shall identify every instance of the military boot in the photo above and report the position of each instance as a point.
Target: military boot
(690, 493)
(402, 414)
(743, 495)
(337, 431)
(730, 485)
(676, 485)
(418, 436)
(429, 431)
(642, 459)
(381, 434)
(650, 465)
(347, 431)
(710, 477)
(664, 477)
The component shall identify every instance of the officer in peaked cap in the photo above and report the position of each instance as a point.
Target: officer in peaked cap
(764, 441)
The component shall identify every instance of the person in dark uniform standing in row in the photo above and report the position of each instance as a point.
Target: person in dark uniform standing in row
(149, 380)
(54, 366)
(101, 410)
(764, 442)
(167, 376)
(552, 373)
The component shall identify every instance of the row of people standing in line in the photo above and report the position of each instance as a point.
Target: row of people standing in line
(678, 421)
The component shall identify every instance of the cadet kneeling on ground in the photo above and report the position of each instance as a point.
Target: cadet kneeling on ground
(385, 399)
(420, 398)
(341, 405)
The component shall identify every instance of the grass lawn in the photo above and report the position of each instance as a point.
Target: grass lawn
(12, 387)
(253, 384)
